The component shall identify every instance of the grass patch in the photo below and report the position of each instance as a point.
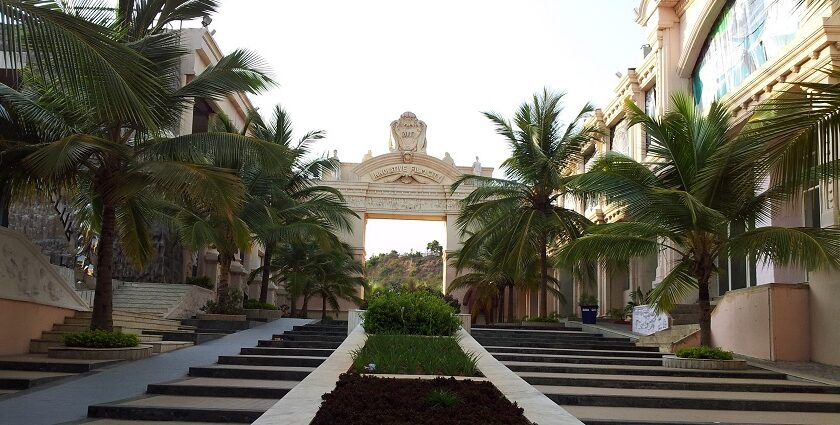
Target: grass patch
(414, 355)
(703, 352)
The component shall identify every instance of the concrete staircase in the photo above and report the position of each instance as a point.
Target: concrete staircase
(605, 380)
(124, 321)
(155, 299)
(23, 372)
(237, 389)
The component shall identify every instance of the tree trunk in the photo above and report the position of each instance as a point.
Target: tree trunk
(222, 289)
(544, 280)
(266, 273)
(705, 312)
(501, 304)
(5, 204)
(103, 302)
(510, 304)
(292, 304)
(323, 306)
(305, 307)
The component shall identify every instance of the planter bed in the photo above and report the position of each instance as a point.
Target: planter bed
(224, 317)
(261, 314)
(703, 364)
(363, 400)
(127, 353)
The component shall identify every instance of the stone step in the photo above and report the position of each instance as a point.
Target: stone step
(187, 336)
(591, 415)
(258, 360)
(613, 353)
(534, 333)
(25, 379)
(159, 347)
(63, 327)
(38, 363)
(298, 344)
(130, 422)
(562, 327)
(676, 383)
(326, 333)
(230, 325)
(272, 351)
(583, 338)
(712, 400)
(634, 371)
(184, 408)
(319, 328)
(150, 338)
(286, 373)
(562, 358)
(584, 346)
(220, 387)
(318, 338)
(40, 346)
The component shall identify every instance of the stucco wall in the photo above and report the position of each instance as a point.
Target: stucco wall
(23, 321)
(825, 317)
(767, 322)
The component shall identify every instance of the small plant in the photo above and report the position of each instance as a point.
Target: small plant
(256, 305)
(230, 303)
(410, 313)
(100, 339)
(443, 399)
(704, 352)
(202, 281)
(620, 314)
(587, 300)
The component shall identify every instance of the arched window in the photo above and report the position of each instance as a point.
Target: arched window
(747, 34)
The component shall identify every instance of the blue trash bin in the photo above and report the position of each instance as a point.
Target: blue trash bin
(589, 314)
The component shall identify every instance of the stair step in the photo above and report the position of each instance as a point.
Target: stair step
(593, 415)
(220, 387)
(318, 338)
(40, 346)
(298, 344)
(545, 358)
(47, 364)
(585, 346)
(638, 370)
(184, 408)
(271, 351)
(159, 347)
(258, 360)
(286, 373)
(670, 399)
(579, 352)
(25, 379)
(150, 338)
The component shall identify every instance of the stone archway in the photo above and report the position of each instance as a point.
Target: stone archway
(405, 183)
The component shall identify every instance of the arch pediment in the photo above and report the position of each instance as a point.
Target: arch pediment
(403, 168)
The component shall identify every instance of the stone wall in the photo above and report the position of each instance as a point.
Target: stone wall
(39, 221)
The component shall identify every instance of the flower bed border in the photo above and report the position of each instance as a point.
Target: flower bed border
(703, 364)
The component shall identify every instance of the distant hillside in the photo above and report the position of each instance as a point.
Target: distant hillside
(410, 270)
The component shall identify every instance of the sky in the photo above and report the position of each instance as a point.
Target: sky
(352, 67)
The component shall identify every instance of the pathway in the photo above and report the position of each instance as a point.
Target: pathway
(69, 400)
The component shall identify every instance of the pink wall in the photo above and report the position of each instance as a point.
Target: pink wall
(767, 322)
(23, 321)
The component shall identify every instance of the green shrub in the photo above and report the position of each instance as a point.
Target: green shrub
(588, 300)
(443, 399)
(257, 305)
(100, 339)
(410, 313)
(202, 281)
(704, 352)
(230, 303)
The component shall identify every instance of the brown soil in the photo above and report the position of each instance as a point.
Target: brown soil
(365, 400)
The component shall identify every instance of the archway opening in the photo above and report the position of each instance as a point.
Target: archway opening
(406, 253)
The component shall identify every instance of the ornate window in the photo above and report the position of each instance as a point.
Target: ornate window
(650, 110)
(746, 35)
(618, 138)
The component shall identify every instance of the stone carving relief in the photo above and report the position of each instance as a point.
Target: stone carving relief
(406, 173)
(408, 134)
(647, 322)
(27, 275)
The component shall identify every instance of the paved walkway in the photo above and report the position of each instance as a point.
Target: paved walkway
(68, 401)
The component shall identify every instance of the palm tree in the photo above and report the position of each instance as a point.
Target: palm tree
(706, 179)
(295, 206)
(111, 146)
(521, 211)
(341, 276)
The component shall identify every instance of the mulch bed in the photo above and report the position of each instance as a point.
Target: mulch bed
(365, 400)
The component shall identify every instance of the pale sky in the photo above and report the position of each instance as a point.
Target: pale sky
(352, 67)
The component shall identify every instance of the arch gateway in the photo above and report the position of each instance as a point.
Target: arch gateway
(405, 184)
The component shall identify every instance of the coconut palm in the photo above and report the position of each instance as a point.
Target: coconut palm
(113, 147)
(706, 179)
(337, 275)
(295, 206)
(521, 212)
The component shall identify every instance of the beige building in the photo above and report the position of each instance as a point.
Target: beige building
(740, 52)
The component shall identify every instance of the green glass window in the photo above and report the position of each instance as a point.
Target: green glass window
(747, 34)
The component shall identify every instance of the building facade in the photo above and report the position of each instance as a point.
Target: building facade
(740, 52)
